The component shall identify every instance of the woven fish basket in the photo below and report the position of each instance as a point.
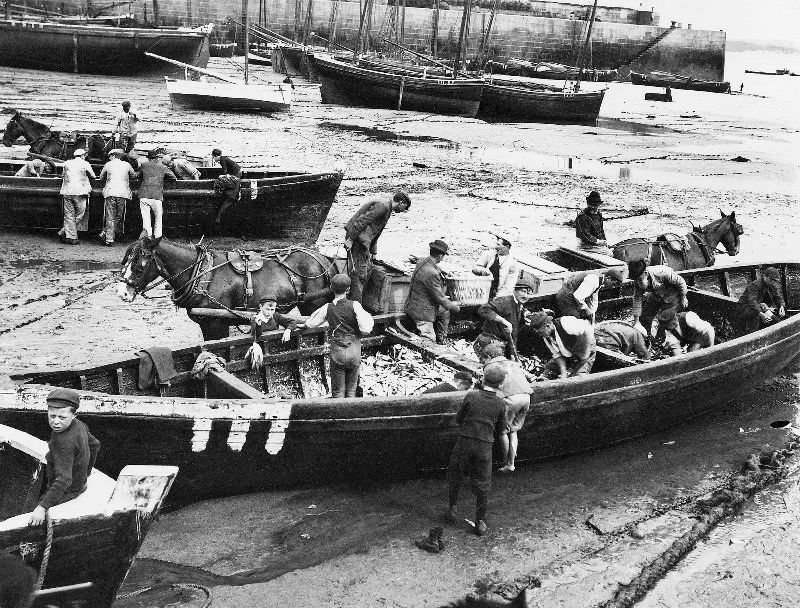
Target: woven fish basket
(469, 289)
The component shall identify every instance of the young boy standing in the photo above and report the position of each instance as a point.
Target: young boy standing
(71, 455)
(481, 418)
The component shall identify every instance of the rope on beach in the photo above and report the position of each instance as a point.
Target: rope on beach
(631, 212)
(759, 471)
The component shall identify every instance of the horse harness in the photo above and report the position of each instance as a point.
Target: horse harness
(680, 245)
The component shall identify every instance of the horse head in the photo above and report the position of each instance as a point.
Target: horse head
(731, 231)
(140, 267)
(28, 128)
(12, 131)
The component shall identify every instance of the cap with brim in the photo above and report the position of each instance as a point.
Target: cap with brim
(63, 397)
(525, 284)
(340, 283)
(268, 299)
(462, 377)
(439, 245)
(539, 318)
(667, 316)
(151, 154)
(116, 152)
(79, 152)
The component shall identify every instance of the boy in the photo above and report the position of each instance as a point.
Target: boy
(481, 418)
(268, 319)
(71, 455)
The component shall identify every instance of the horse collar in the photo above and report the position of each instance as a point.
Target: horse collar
(705, 249)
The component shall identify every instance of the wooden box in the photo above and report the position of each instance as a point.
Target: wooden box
(387, 290)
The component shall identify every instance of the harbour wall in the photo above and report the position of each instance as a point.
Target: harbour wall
(622, 44)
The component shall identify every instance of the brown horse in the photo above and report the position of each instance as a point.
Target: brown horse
(202, 278)
(51, 143)
(695, 250)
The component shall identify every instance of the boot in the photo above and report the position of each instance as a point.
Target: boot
(439, 531)
(431, 543)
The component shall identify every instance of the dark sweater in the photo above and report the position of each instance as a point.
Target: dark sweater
(70, 458)
(154, 172)
(442, 387)
(589, 227)
(230, 166)
(482, 415)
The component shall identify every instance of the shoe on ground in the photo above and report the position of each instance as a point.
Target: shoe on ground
(506, 469)
(71, 241)
(431, 543)
(480, 528)
(439, 532)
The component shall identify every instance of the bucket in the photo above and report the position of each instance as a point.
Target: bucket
(469, 289)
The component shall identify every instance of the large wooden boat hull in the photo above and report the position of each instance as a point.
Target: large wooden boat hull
(95, 537)
(274, 204)
(550, 71)
(228, 96)
(347, 84)
(679, 82)
(95, 49)
(229, 437)
(516, 103)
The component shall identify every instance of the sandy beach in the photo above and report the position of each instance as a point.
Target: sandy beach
(353, 546)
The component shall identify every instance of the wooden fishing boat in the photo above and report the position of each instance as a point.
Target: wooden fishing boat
(95, 49)
(676, 81)
(240, 431)
(348, 84)
(523, 103)
(549, 70)
(229, 96)
(781, 72)
(274, 204)
(92, 539)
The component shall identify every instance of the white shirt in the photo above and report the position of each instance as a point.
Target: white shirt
(571, 325)
(118, 174)
(319, 317)
(587, 292)
(509, 271)
(693, 321)
(127, 123)
(76, 177)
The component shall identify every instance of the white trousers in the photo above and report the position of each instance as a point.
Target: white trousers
(146, 205)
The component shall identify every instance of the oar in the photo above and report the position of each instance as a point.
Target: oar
(513, 346)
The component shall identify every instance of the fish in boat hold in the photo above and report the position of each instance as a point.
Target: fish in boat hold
(238, 430)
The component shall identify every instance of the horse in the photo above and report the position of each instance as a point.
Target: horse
(695, 250)
(203, 278)
(55, 144)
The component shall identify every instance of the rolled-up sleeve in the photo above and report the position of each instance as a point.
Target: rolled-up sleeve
(365, 320)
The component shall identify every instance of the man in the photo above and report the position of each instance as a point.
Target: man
(228, 183)
(481, 417)
(570, 341)
(589, 223)
(348, 322)
(655, 288)
(181, 167)
(515, 389)
(501, 265)
(427, 302)
(268, 319)
(117, 192)
(75, 189)
(622, 338)
(578, 296)
(127, 127)
(502, 318)
(72, 451)
(759, 301)
(151, 194)
(362, 232)
(462, 381)
(683, 329)
(32, 168)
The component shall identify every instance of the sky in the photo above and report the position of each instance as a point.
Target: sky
(741, 19)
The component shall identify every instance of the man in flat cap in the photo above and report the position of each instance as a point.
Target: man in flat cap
(760, 301)
(502, 318)
(501, 265)
(151, 193)
(362, 232)
(655, 288)
(76, 186)
(570, 341)
(348, 322)
(462, 381)
(427, 303)
(579, 295)
(72, 451)
(680, 329)
(589, 223)
(268, 319)
(622, 338)
(117, 192)
(127, 125)
(32, 168)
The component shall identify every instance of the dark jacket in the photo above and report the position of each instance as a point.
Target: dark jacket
(368, 222)
(70, 457)
(589, 227)
(506, 307)
(427, 292)
(230, 166)
(154, 172)
(621, 337)
(756, 293)
(442, 387)
(276, 322)
(482, 415)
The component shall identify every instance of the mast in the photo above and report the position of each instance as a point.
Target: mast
(462, 37)
(485, 39)
(365, 26)
(307, 22)
(246, 27)
(585, 46)
(435, 29)
(332, 24)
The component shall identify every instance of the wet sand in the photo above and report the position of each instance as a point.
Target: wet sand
(352, 546)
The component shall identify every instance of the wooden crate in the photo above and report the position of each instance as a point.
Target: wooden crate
(387, 290)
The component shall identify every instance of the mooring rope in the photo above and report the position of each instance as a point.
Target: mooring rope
(47, 547)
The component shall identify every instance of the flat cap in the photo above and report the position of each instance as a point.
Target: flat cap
(439, 245)
(617, 274)
(594, 198)
(494, 374)
(79, 152)
(340, 283)
(667, 316)
(63, 397)
(525, 284)
(268, 299)
(152, 153)
(463, 376)
(539, 318)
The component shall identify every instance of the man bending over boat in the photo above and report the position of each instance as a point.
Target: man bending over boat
(462, 381)
(578, 296)
(760, 301)
(655, 288)
(427, 303)
(72, 451)
(181, 167)
(622, 338)
(570, 341)
(683, 329)
(502, 319)
(348, 322)
(229, 183)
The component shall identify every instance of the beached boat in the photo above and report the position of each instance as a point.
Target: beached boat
(524, 103)
(229, 96)
(676, 81)
(94, 538)
(95, 49)
(274, 204)
(240, 431)
(782, 72)
(348, 84)
(549, 70)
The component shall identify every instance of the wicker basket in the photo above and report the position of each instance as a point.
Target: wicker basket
(469, 289)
